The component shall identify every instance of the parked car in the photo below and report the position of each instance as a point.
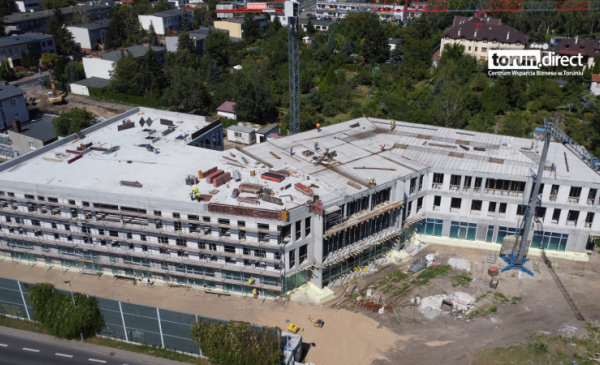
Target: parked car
(309, 15)
(312, 17)
(338, 19)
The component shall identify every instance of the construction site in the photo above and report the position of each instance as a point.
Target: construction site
(386, 224)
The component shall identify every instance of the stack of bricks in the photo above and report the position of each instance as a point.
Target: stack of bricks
(213, 175)
(222, 180)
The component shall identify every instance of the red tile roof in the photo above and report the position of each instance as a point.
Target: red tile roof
(596, 78)
(226, 107)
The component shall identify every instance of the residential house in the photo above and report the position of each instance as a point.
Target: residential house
(163, 20)
(38, 21)
(12, 105)
(234, 25)
(308, 40)
(239, 134)
(587, 47)
(478, 34)
(27, 6)
(595, 85)
(32, 43)
(89, 35)
(82, 87)
(321, 25)
(31, 136)
(102, 66)
(196, 36)
(394, 43)
(226, 110)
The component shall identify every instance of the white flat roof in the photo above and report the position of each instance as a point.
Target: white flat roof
(162, 175)
(409, 148)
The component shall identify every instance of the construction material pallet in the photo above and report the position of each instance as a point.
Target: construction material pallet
(212, 176)
(223, 179)
(250, 188)
(247, 200)
(304, 189)
(272, 177)
(245, 211)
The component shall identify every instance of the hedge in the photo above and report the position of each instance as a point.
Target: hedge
(56, 312)
(238, 343)
(106, 95)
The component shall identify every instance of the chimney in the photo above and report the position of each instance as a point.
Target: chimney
(459, 29)
(507, 35)
(475, 36)
(17, 126)
(576, 38)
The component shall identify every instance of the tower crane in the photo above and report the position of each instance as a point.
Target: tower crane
(290, 11)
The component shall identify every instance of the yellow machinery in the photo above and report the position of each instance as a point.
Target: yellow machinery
(293, 328)
(53, 96)
(318, 323)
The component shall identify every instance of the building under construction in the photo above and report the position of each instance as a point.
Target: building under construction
(153, 195)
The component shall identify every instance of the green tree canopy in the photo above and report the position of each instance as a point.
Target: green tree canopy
(126, 76)
(65, 43)
(253, 101)
(217, 47)
(186, 90)
(184, 42)
(72, 121)
(152, 37)
(186, 24)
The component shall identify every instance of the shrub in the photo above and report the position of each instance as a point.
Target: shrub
(56, 312)
(238, 343)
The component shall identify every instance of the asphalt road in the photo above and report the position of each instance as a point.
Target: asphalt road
(24, 351)
(26, 84)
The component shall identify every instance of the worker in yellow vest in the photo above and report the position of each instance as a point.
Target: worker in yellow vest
(255, 292)
(251, 280)
(194, 193)
(393, 124)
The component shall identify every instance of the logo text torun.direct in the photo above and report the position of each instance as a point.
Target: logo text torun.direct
(529, 60)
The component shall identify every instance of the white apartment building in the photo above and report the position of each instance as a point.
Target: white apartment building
(101, 67)
(26, 6)
(477, 35)
(118, 202)
(163, 20)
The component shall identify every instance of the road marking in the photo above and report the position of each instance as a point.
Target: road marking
(63, 355)
(3, 345)
(96, 360)
(32, 350)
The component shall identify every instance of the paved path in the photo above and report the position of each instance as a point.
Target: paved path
(19, 347)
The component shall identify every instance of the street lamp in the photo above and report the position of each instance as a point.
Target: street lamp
(74, 304)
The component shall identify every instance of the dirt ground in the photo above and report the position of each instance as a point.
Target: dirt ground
(542, 308)
(99, 108)
(354, 335)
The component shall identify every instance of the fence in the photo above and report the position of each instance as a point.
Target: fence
(123, 321)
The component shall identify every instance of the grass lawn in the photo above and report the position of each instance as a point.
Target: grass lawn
(140, 349)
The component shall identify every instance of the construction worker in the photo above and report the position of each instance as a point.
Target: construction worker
(318, 127)
(255, 292)
(292, 150)
(383, 146)
(251, 280)
(393, 124)
(194, 193)
(316, 145)
(373, 181)
(532, 143)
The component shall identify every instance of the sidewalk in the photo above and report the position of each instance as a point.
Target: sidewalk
(347, 337)
(108, 351)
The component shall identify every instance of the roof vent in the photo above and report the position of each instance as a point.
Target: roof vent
(475, 36)
(459, 29)
(507, 35)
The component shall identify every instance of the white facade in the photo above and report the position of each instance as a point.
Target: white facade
(88, 38)
(26, 6)
(162, 21)
(97, 67)
(241, 135)
(80, 90)
(595, 85)
(478, 49)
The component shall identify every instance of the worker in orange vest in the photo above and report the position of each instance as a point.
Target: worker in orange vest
(318, 127)
(383, 146)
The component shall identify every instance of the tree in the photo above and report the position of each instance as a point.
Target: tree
(63, 316)
(186, 90)
(6, 72)
(397, 56)
(63, 37)
(447, 106)
(251, 30)
(252, 95)
(126, 76)
(152, 75)
(375, 46)
(2, 31)
(108, 42)
(596, 69)
(185, 42)
(493, 99)
(185, 25)
(7, 7)
(515, 124)
(74, 72)
(73, 121)
(479, 82)
(48, 58)
(152, 37)
(56, 4)
(310, 28)
(348, 47)
(214, 72)
(217, 47)
(116, 30)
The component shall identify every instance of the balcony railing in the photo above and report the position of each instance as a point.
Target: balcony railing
(454, 187)
(437, 186)
(590, 201)
(573, 199)
(552, 197)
